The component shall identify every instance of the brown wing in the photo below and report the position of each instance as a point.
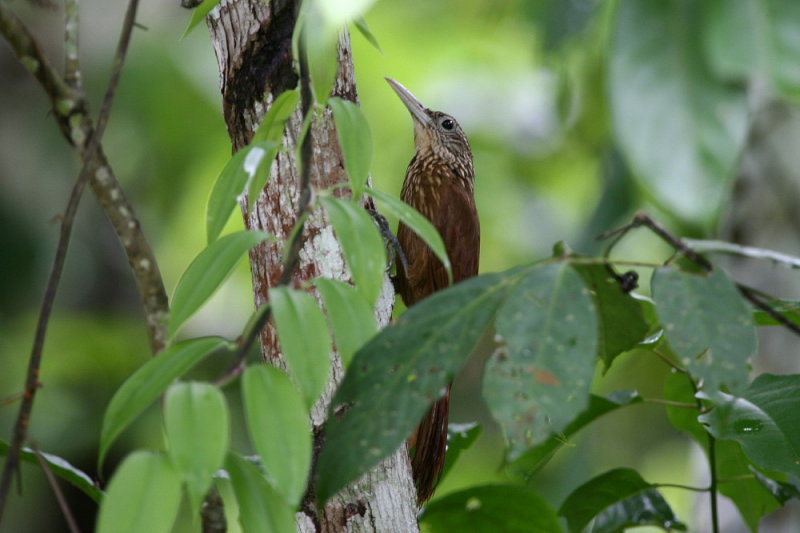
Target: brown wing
(456, 219)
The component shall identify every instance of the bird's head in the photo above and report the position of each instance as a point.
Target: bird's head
(435, 133)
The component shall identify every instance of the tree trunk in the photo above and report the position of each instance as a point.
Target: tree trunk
(252, 41)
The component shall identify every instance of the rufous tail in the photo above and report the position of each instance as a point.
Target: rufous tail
(430, 443)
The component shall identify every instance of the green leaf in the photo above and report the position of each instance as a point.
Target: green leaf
(363, 29)
(535, 458)
(780, 490)
(144, 495)
(394, 378)
(355, 139)
(320, 38)
(271, 127)
(198, 14)
(198, 431)
(416, 222)
(460, 437)
(621, 323)
(261, 508)
(303, 335)
(618, 499)
(789, 309)
(234, 181)
(663, 95)
(538, 382)
(763, 420)
(277, 421)
(206, 273)
(707, 324)
(61, 468)
(148, 382)
(361, 243)
(491, 509)
(349, 315)
(224, 487)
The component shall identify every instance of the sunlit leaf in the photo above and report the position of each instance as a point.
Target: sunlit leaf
(355, 139)
(394, 378)
(277, 421)
(460, 438)
(147, 384)
(416, 222)
(363, 29)
(491, 509)
(144, 495)
(303, 335)
(233, 181)
(617, 500)
(206, 273)
(349, 315)
(320, 39)
(361, 243)
(198, 14)
(61, 468)
(538, 381)
(532, 460)
(261, 508)
(662, 95)
(707, 324)
(196, 423)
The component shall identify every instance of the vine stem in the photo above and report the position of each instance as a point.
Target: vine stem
(34, 363)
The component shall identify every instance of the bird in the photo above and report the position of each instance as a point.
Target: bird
(439, 183)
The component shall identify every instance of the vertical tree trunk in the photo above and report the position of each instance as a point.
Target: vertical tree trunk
(252, 41)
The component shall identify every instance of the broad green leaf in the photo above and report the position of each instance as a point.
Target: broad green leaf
(663, 95)
(303, 335)
(782, 491)
(538, 381)
(349, 315)
(261, 508)
(460, 437)
(752, 501)
(394, 378)
(621, 323)
(789, 309)
(363, 29)
(763, 420)
(206, 273)
(491, 509)
(416, 222)
(271, 127)
(535, 458)
(198, 14)
(198, 431)
(224, 487)
(361, 243)
(233, 181)
(707, 324)
(617, 500)
(61, 468)
(144, 495)
(355, 139)
(318, 37)
(148, 382)
(758, 38)
(277, 421)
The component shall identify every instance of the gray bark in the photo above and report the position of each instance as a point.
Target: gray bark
(252, 41)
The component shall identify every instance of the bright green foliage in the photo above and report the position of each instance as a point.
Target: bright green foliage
(361, 243)
(148, 382)
(206, 273)
(491, 509)
(539, 379)
(616, 500)
(707, 325)
(304, 338)
(349, 316)
(199, 13)
(198, 431)
(277, 421)
(261, 508)
(271, 127)
(143, 495)
(355, 140)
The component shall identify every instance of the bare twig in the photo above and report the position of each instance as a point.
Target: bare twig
(754, 299)
(51, 480)
(32, 378)
(72, 68)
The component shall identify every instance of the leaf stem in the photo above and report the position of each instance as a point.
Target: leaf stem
(670, 403)
(679, 486)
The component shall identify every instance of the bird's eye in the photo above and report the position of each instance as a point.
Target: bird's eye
(448, 124)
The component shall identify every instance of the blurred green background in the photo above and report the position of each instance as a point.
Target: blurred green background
(531, 82)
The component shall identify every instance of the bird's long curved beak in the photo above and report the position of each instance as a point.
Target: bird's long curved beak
(414, 106)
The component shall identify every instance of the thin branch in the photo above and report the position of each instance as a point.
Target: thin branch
(754, 299)
(752, 252)
(670, 403)
(51, 480)
(72, 68)
(32, 378)
(684, 487)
